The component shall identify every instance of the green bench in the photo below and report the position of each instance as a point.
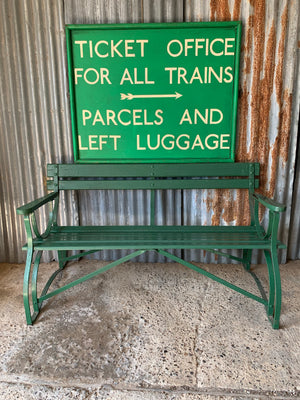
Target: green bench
(139, 239)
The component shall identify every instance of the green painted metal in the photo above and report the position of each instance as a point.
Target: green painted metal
(152, 208)
(186, 176)
(62, 258)
(269, 203)
(34, 205)
(180, 237)
(34, 282)
(154, 92)
(270, 309)
(152, 170)
(155, 184)
(152, 237)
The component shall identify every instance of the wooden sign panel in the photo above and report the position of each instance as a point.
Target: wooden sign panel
(154, 92)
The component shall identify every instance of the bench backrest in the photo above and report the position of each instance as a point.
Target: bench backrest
(153, 176)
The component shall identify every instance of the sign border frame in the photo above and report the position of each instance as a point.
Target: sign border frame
(137, 26)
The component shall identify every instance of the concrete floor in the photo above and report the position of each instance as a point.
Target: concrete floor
(151, 332)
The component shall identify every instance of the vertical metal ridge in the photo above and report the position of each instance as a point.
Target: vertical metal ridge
(11, 125)
(163, 11)
(35, 123)
(267, 78)
(35, 127)
(294, 237)
(104, 12)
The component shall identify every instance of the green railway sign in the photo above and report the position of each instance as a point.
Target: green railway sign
(154, 92)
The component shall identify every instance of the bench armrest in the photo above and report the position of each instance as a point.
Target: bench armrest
(269, 203)
(30, 221)
(275, 209)
(34, 205)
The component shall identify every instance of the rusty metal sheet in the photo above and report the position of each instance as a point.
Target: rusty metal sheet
(267, 79)
(35, 122)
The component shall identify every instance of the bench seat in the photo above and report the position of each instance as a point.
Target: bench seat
(152, 237)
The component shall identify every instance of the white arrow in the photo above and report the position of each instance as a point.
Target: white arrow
(131, 96)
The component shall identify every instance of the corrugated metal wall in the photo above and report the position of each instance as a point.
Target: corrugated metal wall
(35, 122)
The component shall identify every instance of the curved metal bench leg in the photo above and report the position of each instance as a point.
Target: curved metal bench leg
(274, 303)
(35, 270)
(277, 304)
(26, 286)
(271, 300)
(27, 290)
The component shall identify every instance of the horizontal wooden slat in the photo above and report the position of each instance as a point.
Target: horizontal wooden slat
(155, 184)
(152, 170)
(151, 228)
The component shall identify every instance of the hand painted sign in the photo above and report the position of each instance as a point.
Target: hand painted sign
(154, 92)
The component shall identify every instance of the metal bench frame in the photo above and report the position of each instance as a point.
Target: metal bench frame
(152, 237)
